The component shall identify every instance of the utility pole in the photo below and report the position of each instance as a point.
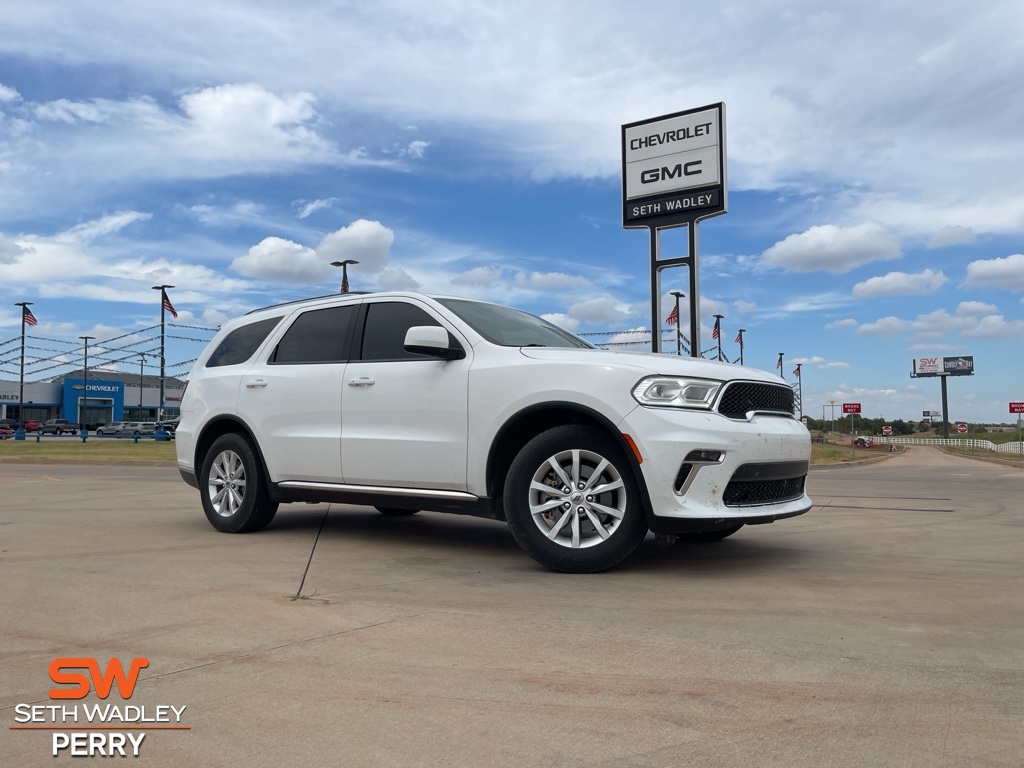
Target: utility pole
(26, 316)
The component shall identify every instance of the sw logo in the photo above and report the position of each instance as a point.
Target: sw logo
(103, 682)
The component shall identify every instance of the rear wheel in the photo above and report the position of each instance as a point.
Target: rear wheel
(233, 487)
(395, 512)
(571, 501)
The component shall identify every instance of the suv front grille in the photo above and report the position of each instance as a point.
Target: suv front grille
(741, 397)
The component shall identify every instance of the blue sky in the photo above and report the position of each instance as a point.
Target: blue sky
(235, 149)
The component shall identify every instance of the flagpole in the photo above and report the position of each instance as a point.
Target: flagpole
(21, 370)
(739, 338)
(782, 371)
(679, 330)
(800, 388)
(163, 306)
(718, 334)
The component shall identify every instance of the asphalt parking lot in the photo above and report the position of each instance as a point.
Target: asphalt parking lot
(884, 628)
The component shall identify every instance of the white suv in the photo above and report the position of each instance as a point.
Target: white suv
(408, 402)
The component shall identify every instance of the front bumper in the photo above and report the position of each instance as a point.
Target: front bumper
(738, 471)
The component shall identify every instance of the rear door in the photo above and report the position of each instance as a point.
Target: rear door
(292, 398)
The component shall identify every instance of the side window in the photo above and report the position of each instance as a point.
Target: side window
(317, 336)
(242, 343)
(386, 324)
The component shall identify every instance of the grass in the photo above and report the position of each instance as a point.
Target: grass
(822, 453)
(95, 448)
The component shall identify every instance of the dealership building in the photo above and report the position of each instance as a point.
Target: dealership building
(111, 396)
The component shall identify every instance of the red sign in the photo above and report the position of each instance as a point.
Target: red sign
(851, 407)
(961, 428)
(886, 430)
(1016, 407)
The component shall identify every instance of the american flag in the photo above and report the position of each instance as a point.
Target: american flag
(673, 316)
(167, 304)
(716, 331)
(796, 372)
(27, 317)
(779, 364)
(739, 338)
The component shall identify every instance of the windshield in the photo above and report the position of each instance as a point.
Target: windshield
(509, 327)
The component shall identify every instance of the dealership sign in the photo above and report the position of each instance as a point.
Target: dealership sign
(673, 168)
(962, 365)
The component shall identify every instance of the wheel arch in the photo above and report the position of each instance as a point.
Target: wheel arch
(523, 426)
(224, 425)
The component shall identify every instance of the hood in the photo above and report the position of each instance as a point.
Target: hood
(667, 365)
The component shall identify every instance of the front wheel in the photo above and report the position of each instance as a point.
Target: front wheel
(233, 487)
(571, 501)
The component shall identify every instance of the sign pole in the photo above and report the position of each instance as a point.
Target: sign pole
(853, 451)
(945, 410)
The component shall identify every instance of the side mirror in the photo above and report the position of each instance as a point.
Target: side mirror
(432, 340)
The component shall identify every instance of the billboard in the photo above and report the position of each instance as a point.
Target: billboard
(962, 365)
(673, 167)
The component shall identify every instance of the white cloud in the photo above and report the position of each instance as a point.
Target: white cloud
(599, 311)
(848, 322)
(951, 235)
(743, 307)
(570, 324)
(995, 327)
(417, 149)
(1005, 273)
(636, 339)
(105, 225)
(10, 250)
(282, 261)
(833, 249)
(308, 207)
(479, 276)
(396, 279)
(970, 308)
(887, 326)
(834, 364)
(368, 242)
(8, 94)
(900, 284)
(550, 280)
(938, 323)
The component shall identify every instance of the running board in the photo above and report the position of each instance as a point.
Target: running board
(384, 490)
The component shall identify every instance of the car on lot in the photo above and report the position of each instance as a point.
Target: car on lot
(135, 428)
(110, 429)
(57, 427)
(6, 433)
(408, 402)
(864, 442)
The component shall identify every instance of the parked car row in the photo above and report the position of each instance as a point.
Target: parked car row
(64, 427)
(13, 424)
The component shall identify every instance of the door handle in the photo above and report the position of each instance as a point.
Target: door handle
(364, 381)
(255, 383)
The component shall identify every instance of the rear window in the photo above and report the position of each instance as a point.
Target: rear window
(242, 343)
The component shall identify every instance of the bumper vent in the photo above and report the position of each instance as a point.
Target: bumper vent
(755, 485)
(741, 397)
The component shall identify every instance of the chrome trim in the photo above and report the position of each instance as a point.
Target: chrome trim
(382, 489)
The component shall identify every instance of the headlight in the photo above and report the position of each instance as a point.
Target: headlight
(677, 392)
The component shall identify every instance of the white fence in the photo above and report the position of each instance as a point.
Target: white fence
(954, 442)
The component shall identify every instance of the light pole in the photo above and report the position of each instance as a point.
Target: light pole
(165, 304)
(679, 331)
(85, 384)
(26, 316)
(142, 365)
(344, 272)
(833, 404)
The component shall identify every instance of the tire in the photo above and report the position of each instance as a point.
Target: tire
(233, 487)
(395, 512)
(597, 531)
(704, 537)
(39, 431)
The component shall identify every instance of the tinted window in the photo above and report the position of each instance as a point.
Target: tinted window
(318, 336)
(386, 324)
(512, 327)
(242, 343)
